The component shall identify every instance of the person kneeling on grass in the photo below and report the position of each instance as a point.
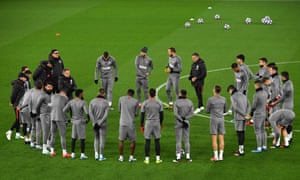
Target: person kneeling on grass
(78, 107)
(98, 111)
(279, 121)
(183, 111)
(216, 106)
(152, 109)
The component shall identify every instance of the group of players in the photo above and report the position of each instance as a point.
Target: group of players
(42, 110)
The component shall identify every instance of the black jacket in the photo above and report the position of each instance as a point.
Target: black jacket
(18, 91)
(43, 73)
(57, 67)
(68, 84)
(198, 70)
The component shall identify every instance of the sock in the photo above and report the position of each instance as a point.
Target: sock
(52, 150)
(216, 154)
(157, 158)
(73, 154)
(44, 147)
(286, 141)
(64, 151)
(82, 154)
(121, 157)
(101, 156)
(188, 156)
(131, 157)
(278, 142)
(259, 148)
(147, 158)
(221, 154)
(178, 155)
(241, 148)
(96, 154)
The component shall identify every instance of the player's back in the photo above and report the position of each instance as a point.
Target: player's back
(98, 108)
(58, 102)
(128, 107)
(152, 108)
(216, 106)
(78, 108)
(184, 106)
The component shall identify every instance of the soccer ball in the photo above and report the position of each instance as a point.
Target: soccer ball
(226, 26)
(217, 17)
(267, 17)
(248, 20)
(187, 25)
(200, 21)
(209, 7)
(192, 19)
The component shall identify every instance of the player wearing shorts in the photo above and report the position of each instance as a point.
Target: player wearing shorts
(128, 107)
(78, 107)
(259, 115)
(216, 106)
(241, 107)
(183, 111)
(279, 121)
(152, 111)
(59, 121)
(98, 111)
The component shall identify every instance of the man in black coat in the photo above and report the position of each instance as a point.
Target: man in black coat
(43, 72)
(18, 91)
(67, 83)
(197, 76)
(57, 67)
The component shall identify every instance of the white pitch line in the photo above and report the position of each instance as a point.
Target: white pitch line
(216, 70)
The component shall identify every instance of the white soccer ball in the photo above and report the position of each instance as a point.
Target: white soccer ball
(217, 17)
(200, 21)
(267, 17)
(270, 21)
(248, 20)
(226, 26)
(187, 25)
(209, 7)
(192, 19)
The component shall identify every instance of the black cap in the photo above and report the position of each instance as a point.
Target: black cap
(144, 49)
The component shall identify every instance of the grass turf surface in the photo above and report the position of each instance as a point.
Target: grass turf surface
(122, 27)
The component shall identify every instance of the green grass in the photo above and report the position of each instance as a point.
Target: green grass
(122, 27)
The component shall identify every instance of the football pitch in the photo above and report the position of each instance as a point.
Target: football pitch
(88, 28)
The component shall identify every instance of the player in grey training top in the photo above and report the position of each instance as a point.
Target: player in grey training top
(216, 106)
(275, 87)
(241, 78)
(78, 107)
(240, 60)
(242, 108)
(128, 107)
(98, 111)
(25, 116)
(107, 66)
(143, 66)
(36, 129)
(174, 67)
(263, 69)
(287, 98)
(259, 116)
(152, 110)
(279, 121)
(183, 111)
(43, 107)
(59, 121)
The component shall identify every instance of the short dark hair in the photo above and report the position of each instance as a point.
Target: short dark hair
(23, 68)
(234, 65)
(38, 84)
(285, 74)
(48, 83)
(264, 79)
(271, 64)
(274, 68)
(257, 81)
(183, 92)
(105, 54)
(101, 92)
(230, 87)
(53, 50)
(241, 56)
(27, 72)
(66, 69)
(172, 49)
(264, 59)
(130, 92)
(152, 92)
(195, 54)
(217, 89)
(78, 92)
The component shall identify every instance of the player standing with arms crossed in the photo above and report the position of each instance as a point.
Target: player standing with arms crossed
(107, 66)
(197, 76)
(57, 67)
(143, 66)
(152, 110)
(216, 106)
(98, 111)
(78, 107)
(174, 67)
(128, 107)
(183, 111)
(241, 107)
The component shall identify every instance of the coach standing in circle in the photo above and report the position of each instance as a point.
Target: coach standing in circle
(197, 76)
(57, 67)
(107, 65)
